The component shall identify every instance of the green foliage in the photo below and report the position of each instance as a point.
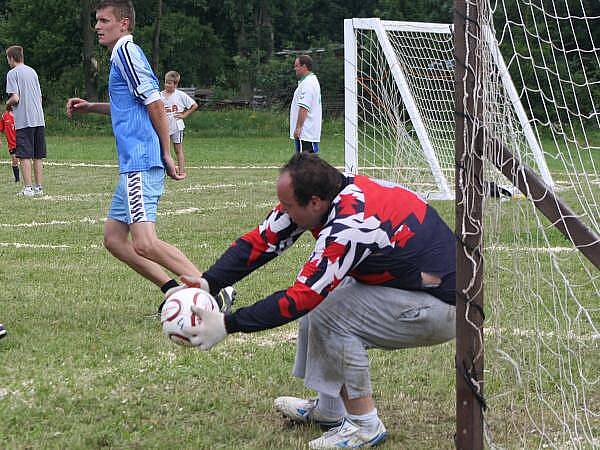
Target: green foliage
(231, 45)
(187, 46)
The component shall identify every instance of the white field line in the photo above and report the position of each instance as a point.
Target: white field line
(504, 248)
(569, 335)
(67, 246)
(192, 188)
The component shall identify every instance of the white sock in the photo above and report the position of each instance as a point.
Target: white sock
(370, 420)
(331, 406)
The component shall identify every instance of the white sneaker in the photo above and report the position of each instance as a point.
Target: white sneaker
(2, 331)
(27, 192)
(305, 411)
(349, 435)
(37, 190)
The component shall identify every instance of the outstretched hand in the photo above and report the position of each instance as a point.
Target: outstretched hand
(188, 282)
(76, 105)
(210, 330)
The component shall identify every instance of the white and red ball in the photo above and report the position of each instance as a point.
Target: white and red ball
(176, 315)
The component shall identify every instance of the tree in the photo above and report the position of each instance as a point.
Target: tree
(156, 37)
(90, 63)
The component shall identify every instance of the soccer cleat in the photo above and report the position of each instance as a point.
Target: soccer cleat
(349, 435)
(225, 298)
(305, 411)
(26, 192)
(2, 331)
(37, 190)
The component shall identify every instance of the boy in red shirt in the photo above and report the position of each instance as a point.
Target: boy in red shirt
(7, 126)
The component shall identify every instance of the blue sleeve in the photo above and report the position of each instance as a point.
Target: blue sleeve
(134, 67)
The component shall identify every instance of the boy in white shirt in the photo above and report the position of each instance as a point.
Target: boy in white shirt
(178, 105)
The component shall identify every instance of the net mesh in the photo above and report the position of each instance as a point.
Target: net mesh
(542, 295)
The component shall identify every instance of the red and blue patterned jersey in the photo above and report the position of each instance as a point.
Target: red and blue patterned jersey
(376, 232)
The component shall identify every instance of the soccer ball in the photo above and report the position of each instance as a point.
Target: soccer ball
(176, 313)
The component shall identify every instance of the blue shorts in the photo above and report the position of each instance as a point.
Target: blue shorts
(136, 196)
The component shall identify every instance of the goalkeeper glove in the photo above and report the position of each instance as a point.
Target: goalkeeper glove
(210, 331)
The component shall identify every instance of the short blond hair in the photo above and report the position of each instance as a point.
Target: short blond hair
(173, 76)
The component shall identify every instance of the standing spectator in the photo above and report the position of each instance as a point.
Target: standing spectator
(178, 106)
(306, 112)
(7, 126)
(25, 100)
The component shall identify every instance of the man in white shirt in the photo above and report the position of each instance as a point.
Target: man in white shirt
(306, 112)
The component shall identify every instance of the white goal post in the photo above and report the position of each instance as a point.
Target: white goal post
(399, 105)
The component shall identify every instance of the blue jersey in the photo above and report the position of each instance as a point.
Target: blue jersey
(376, 232)
(132, 85)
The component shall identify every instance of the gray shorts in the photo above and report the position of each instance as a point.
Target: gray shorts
(331, 349)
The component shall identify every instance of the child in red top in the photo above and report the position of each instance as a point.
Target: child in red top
(7, 126)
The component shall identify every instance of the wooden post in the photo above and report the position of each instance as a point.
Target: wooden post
(469, 140)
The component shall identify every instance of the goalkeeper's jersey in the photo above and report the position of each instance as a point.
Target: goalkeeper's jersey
(132, 85)
(377, 232)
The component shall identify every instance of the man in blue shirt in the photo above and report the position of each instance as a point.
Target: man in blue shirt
(142, 137)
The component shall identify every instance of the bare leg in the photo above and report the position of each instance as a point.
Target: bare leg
(116, 241)
(357, 406)
(37, 171)
(15, 167)
(26, 171)
(147, 244)
(180, 157)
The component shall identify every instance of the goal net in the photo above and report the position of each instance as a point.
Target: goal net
(399, 93)
(537, 99)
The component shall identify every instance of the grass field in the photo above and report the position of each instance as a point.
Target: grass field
(84, 367)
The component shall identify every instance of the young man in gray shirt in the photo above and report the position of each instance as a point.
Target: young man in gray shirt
(25, 99)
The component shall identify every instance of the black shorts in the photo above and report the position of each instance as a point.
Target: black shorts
(31, 143)
(306, 146)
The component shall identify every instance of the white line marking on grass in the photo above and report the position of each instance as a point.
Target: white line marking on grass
(23, 245)
(75, 197)
(504, 248)
(500, 331)
(52, 222)
(81, 164)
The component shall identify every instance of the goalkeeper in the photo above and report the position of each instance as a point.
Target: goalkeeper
(381, 275)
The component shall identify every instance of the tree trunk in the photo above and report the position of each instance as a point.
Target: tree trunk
(156, 37)
(90, 65)
(265, 30)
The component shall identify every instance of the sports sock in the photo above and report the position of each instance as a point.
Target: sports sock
(331, 406)
(16, 173)
(164, 288)
(168, 285)
(369, 420)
